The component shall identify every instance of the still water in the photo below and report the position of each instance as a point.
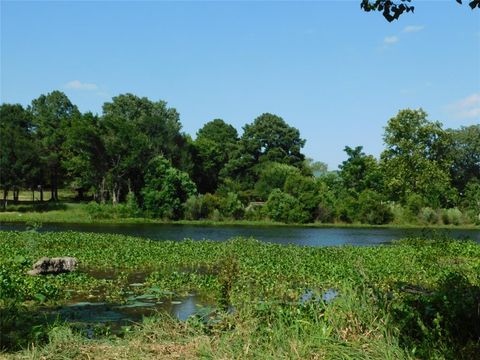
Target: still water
(305, 236)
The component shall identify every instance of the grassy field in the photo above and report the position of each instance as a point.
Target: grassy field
(417, 298)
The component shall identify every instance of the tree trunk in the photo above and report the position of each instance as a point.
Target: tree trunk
(115, 194)
(15, 194)
(80, 194)
(102, 191)
(33, 194)
(41, 193)
(5, 197)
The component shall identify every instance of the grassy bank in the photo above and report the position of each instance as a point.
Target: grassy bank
(77, 213)
(415, 299)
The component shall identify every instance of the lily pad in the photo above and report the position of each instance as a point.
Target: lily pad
(136, 304)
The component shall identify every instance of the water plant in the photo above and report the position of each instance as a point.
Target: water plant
(415, 298)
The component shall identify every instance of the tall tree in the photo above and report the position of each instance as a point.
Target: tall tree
(134, 130)
(52, 117)
(415, 160)
(214, 143)
(85, 158)
(360, 171)
(268, 139)
(465, 155)
(18, 155)
(166, 189)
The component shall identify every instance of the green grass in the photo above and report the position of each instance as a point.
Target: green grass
(414, 299)
(67, 212)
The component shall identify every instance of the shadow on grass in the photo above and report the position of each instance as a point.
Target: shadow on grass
(29, 206)
(21, 326)
(441, 321)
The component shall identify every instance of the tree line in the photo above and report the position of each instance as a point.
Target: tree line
(136, 157)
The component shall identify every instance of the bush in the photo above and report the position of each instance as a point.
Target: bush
(231, 207)
(452, 216)
(273, 176)
(254, 213)
(346, 207)
(428, 215)
(285, 208)
(372, 209)
(414, 204)
(100, 211)
(166, 189)
(131, 208)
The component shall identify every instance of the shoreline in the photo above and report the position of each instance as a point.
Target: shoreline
(211, 223)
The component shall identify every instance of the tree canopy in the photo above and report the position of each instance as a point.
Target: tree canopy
(392, 9)
(135, 156)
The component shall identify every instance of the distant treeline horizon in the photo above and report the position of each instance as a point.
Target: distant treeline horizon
(136, 153)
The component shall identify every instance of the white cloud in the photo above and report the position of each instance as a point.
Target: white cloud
(390, 39)
(413, 28)
(469, 114)
(471, 100)
(78, 85)
(468, 107)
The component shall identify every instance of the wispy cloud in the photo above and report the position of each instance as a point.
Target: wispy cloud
(78, 85)
(390, 40)
(413, 28)
(466, 108)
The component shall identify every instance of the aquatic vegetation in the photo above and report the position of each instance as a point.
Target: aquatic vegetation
(414, 298)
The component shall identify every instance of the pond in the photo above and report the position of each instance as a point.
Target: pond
(305, 236)
(88, 315)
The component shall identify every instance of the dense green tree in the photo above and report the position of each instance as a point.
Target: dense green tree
(372, 208)
(284, 207)
(415, 160)
(214, 143)
(52, 117)
(166, 189)
(360, 171)
(273, 176)
(465, 156)
(85, 158)
(19, 165)
(134, 130)
(306, 190)
(471, 200)
(268, 139)
(231, 207)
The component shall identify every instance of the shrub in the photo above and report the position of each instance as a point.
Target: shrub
(414, 204)
(285, 208)
(452, 216)
(166, 189)
(100, 211)
(273, 176)
(131, 208)
(428, 215)
(231, 206)
(372, 209)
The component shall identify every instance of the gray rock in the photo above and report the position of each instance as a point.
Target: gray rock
(57, 265)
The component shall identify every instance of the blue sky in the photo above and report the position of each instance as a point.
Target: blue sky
(334, 72)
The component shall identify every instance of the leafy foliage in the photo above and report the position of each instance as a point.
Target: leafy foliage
(418, 295)
(166, 189)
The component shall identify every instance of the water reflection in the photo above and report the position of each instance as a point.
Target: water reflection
(85, 314)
